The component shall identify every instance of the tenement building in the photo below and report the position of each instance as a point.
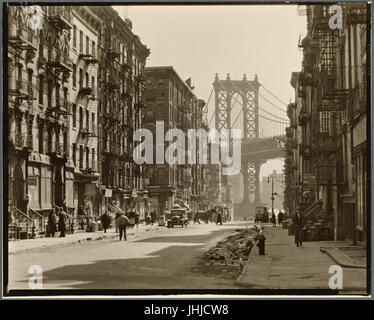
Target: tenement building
(122, 58)
(171, 103)
(326, 149)
(75, 96)
(39, 80)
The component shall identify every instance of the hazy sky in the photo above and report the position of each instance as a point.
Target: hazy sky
(200, 41)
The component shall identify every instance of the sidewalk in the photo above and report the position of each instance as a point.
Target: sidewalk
(21, 246)
(286, 266)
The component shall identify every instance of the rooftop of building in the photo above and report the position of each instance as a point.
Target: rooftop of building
(171, 70)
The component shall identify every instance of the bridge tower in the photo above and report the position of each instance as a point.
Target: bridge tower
(248, 91)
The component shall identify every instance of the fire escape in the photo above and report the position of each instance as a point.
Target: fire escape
(328, 115)
(22, 41)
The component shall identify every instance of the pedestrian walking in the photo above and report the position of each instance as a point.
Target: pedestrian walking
(118, 214)
(52, 224)
(298, 223)
(81, 216)
(147, 218)
(137, 218)
(61, 223)
(219, 218)
(273, 220)
(153, 217)
(280, 217)
(105, 220)
(123, 222)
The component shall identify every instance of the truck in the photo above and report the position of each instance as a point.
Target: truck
(261, 214)
(177, 217)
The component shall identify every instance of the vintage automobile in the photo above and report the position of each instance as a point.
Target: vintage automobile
(261, 215)
(177, 217)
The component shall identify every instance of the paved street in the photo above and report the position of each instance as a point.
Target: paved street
(161, 258)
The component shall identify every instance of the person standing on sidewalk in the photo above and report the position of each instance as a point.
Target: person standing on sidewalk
(273, 219)
(280, 217)
(52, 224)
(137, 218)
(123, 222)
(61, 223)
(298, 223)
(219, 218)
(105, 220)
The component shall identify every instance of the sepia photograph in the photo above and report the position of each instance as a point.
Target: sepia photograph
(186, 149)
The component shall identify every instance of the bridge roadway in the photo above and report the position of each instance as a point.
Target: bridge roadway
(263, 149)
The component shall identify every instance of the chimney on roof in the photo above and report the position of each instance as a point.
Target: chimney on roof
(189, 83)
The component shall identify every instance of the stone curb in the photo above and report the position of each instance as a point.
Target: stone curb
(340, 258)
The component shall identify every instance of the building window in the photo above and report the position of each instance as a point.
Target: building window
(87, 120)
(41, 44)
(40, 134)
(87, 157)
(75, 154)
(80, 78)
(74, 75)
(74, 115)
(93, 82)
(93, 124)
(75, 36)
(93, 159)
(93, 49)
(80, 41)
(80, 157)
(41, 91)
(87, 79)
(80, 118)
(49, 94)
(87, 45)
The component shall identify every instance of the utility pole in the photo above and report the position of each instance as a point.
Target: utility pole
(272, 192)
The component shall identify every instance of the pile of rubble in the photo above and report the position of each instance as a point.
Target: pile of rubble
(237, 246)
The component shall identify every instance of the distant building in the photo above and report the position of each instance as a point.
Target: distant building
(171, 100)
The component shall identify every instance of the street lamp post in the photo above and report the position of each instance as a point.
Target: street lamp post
(272, 193)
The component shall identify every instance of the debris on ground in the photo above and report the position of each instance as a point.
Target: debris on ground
(236, 246)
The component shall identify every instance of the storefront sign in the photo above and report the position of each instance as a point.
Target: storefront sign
(154, 191)
(108, 193)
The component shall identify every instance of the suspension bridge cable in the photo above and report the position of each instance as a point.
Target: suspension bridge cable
(275, 116)
(263, 98)
(261, 116)
(274, 96)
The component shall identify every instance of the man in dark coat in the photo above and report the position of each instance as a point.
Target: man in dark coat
(219, 218)
(52, 224)
(61, 223)
(280, 217)
(123, 222)
(298, 223)
(137, 218)
(105, 220)
(273, 220)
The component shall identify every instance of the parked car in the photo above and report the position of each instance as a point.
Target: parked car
(177, 217)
